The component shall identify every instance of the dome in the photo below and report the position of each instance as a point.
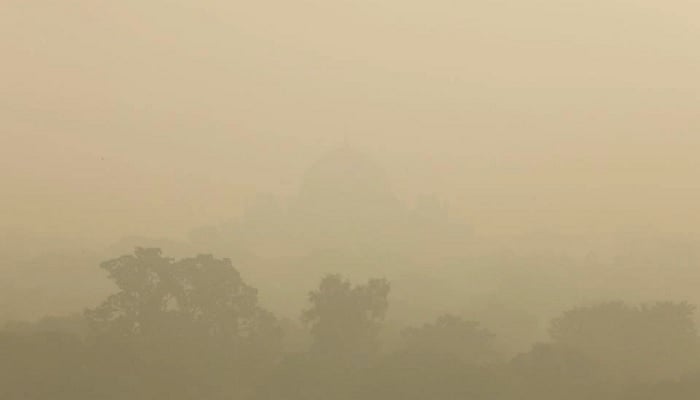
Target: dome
(346, 180)
(345, 198)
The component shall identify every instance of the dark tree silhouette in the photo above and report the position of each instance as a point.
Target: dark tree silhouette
(648, 342)
(201, 296)
(452, 336)
(550, 371)
(193, 329)
(346, 319)
(146, 287)
(182, 329)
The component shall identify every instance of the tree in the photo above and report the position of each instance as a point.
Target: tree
(146, 288)
(194, 296)
(452, 336)
(647, 342)
(182, 329)
(346, 319)
(550, 371)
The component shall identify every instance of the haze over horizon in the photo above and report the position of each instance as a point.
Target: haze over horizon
(349, 200)
(153, 117)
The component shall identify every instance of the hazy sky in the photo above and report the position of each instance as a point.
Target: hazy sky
(154, 116)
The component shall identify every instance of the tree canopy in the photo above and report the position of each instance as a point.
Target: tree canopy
(346, 319)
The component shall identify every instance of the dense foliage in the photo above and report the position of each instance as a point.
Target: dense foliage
(194, 329)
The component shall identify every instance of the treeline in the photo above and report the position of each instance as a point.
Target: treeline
(194, 329)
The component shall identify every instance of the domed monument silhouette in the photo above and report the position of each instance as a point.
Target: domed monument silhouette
(345, 195)
(344, 217)
(346, 180)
